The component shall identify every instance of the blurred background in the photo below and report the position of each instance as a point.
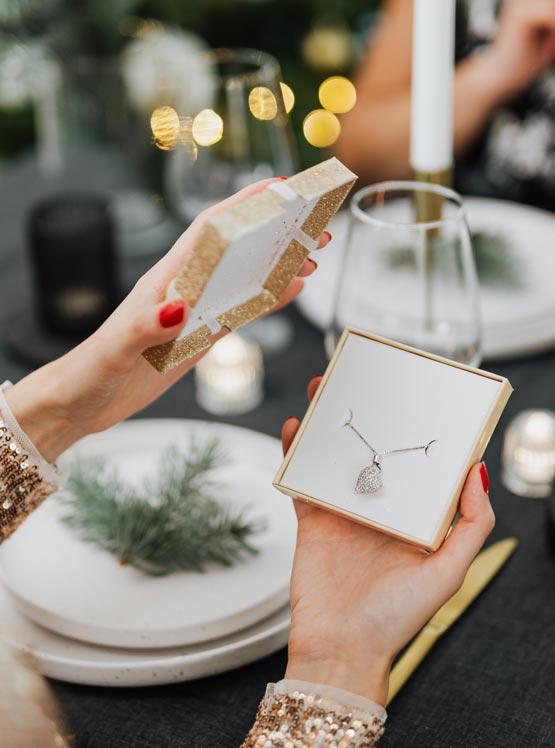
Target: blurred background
(312, 39)
(121, 120)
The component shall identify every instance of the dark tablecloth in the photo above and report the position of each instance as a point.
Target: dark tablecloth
(489, 683)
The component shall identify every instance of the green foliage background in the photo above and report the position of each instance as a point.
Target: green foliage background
(75, 27)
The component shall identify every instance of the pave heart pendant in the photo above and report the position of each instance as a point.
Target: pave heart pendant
(369, 479)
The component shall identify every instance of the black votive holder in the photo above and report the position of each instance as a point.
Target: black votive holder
(73, 261)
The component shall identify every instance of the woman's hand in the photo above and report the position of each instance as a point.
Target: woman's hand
(358, 596)
(524, 45)
(105, 379)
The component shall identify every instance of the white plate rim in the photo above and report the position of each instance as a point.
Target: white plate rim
(75, 670)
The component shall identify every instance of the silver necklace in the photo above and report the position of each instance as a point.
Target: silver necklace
(370, 478)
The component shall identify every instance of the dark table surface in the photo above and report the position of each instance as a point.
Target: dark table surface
(490, 681)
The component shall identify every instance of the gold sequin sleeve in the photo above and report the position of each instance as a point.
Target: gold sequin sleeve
(306, 720)
(26, 478)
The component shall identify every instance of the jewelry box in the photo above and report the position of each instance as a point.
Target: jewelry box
(390, 436)
(247, 255)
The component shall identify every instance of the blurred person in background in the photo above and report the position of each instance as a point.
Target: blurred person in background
(504, 99)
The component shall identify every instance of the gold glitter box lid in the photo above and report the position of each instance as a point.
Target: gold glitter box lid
(246, 257)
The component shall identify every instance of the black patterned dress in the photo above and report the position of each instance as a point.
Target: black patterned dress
(514, 158)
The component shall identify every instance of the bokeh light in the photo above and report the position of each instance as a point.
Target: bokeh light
(262, 103)
(288, 97)
(208, 127)
(166, 128)
(337, 94)
(321, 128)
(328, 48)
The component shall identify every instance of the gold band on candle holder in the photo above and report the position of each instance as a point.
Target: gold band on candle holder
(428, 206)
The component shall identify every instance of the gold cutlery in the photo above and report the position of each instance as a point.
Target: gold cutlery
(482, 570)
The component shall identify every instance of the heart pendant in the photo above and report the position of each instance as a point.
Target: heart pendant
(369, 479)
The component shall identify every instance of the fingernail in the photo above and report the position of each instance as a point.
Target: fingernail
(282, 177)
(313, 262)
(172, 314)
(327, 233)
(316, 376)
(291, 418)
(484, 476)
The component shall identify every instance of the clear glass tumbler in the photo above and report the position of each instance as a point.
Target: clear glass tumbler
(408, 272)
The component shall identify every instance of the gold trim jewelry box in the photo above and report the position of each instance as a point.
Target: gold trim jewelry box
(390, 436)
(247, 255)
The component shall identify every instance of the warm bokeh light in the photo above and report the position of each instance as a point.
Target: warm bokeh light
(262, 103)
(208, 127)
(165, 127)
(321, 128)
(337, 94)
(288, 97)
(328, 48)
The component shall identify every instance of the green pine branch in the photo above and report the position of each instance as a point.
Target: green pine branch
(497, 264)
(174, 524)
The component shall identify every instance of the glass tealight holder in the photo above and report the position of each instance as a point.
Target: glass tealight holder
(229, 379)
(528, 460)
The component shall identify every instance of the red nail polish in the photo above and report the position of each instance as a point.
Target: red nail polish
(313, 262)
(327, 233)
(172, 314)
(291, 418)
(282, 177)
(484, 476)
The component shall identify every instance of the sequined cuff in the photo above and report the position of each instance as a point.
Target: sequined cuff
(26, 478)
(307, 720)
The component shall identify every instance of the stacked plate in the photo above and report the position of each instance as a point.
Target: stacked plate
(516, 321)
(86, 619)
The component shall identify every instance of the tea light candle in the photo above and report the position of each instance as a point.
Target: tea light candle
(229, 379)
(528, 460)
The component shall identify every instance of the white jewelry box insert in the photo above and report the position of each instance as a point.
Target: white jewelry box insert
(422, 422)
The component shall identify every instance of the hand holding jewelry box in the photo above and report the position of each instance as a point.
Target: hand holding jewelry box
(380, 402)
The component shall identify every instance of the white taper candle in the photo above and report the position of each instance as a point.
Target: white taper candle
(433, 58)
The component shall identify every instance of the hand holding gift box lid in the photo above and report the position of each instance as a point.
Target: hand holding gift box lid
(247, 255)
(430, 418)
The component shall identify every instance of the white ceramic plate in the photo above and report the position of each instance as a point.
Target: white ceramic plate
(79, 591)
(77, 662)
(515, 322)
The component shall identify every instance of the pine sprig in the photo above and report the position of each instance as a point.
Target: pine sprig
(174, 524)
(497, 264)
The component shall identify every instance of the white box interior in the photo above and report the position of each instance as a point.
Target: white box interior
(248, 261)
(399, 399)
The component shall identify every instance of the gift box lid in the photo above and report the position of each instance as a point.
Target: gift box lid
(246, 256)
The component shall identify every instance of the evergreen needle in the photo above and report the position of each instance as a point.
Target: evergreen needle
(174, 524)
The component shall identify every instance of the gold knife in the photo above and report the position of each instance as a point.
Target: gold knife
(482, 570)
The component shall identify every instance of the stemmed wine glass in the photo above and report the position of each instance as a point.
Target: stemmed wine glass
(234, 131)
(408, 272)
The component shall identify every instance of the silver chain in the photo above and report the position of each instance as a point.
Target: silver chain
(379, 455)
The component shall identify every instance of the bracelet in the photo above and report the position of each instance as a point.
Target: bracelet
(26, 478)
(308, 720)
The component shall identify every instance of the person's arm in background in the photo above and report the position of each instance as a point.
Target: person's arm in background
(375, 135)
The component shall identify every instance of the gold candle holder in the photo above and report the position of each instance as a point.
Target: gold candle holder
(428, 209)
